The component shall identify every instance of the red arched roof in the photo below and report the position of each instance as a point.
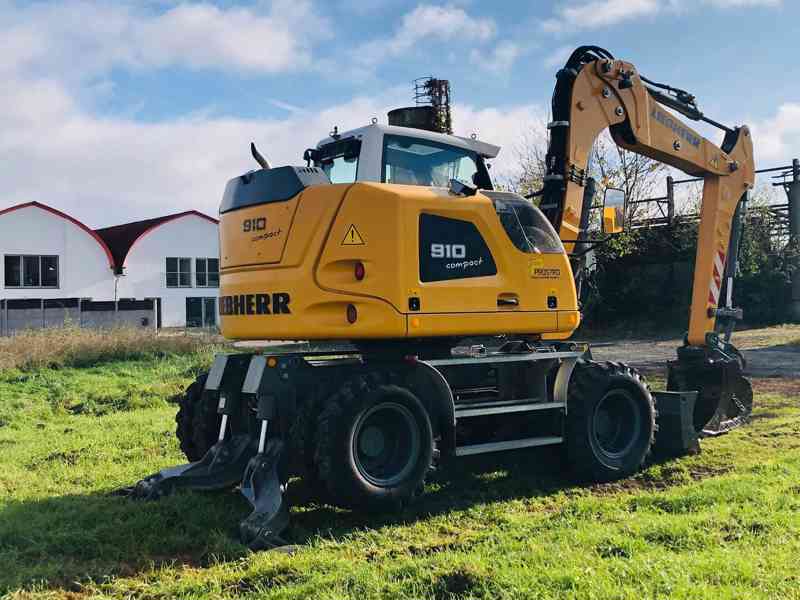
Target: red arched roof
(121, 238)
(72, 220)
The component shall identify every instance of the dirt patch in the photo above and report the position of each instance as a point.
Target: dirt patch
(669, 478)
(66, 457)
(776, 385)
(768, 353)
(456, 584)
(284, 575)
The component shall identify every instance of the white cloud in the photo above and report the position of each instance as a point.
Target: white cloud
(558, 57)
(499, 59)
(777, 139)
(110, 170)
(576, 15)
(739, 3)
(505, 127)
(599, 13)
(89, 37)
(423, 24)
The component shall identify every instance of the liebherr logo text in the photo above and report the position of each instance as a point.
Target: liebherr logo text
(255, 304)
(676, 127)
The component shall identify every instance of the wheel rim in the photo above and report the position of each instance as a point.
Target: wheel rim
(386, 444)
(616, 423)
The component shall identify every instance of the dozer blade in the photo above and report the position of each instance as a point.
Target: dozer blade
(220, 468)
(725, 396)
(262, 488)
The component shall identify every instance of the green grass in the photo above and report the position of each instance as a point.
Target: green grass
(723, 524)
(38, 396)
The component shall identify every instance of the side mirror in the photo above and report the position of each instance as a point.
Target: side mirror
(614, 205)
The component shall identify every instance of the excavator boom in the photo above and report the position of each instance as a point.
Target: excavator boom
(594, 92)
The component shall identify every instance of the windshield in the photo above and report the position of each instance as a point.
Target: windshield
(339, 160)
(415, 161)
(525, 224)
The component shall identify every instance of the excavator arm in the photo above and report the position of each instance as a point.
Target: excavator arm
(594, 92)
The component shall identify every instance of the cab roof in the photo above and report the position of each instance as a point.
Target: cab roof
(482, 148)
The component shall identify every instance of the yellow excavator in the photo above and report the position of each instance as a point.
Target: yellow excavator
(436, 311)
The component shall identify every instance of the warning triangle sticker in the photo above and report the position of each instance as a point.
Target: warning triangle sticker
(353, 238)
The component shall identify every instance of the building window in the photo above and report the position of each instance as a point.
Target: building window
(201, 312)
(179, 272)
(206, 272)
(31, 271)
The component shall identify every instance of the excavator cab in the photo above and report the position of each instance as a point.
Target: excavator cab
(403, 155)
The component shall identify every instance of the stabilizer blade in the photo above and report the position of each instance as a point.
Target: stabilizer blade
(262, 487)
(220, 468)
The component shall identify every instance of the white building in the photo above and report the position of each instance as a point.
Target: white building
(48, 254)
(174, 258)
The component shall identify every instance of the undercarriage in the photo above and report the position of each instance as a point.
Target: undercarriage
(366, 428)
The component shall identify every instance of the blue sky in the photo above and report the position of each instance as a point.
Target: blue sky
(122, 110)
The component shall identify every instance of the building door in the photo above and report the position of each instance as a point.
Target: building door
(201, 312)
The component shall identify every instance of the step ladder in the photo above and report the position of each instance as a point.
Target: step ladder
(525, 405)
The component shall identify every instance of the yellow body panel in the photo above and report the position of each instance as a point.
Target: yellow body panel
(332, 228)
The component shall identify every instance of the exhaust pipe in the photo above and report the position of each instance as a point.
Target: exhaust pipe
(259, 157)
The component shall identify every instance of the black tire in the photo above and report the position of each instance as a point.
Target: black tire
(611, 421)
(197, 420)
(374, 445)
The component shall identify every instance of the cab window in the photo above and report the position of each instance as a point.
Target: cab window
(339, 160)
(526, 226)
(414, 161)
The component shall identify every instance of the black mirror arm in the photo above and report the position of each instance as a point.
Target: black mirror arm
(589, 243)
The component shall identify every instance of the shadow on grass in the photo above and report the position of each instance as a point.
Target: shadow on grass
(61, 541)
(460, 484)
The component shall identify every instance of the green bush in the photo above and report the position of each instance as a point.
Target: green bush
(644, 277)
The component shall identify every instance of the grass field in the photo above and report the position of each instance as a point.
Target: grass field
(722, 524)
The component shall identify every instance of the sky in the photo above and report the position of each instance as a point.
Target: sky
(124, 110)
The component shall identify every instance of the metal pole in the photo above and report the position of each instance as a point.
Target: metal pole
(670, 199)
(793, 192)
(727, 320)
(579, 265)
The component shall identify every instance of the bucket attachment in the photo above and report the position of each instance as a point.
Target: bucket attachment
(262, 488)
(725, 396)
(220, 468)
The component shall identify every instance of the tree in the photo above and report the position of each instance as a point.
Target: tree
(610, 165)
(637, 175)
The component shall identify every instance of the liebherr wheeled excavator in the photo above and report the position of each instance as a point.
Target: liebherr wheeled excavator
(392, 246)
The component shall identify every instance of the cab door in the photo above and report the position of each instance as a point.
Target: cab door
(458, 263)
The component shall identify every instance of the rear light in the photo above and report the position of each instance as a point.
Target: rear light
(360, 271)
(352, 314)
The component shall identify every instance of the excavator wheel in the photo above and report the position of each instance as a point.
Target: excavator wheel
(611, 421)
(197, 420)
(374, 445)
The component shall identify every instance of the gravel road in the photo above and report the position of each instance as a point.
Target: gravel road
(770, 352)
